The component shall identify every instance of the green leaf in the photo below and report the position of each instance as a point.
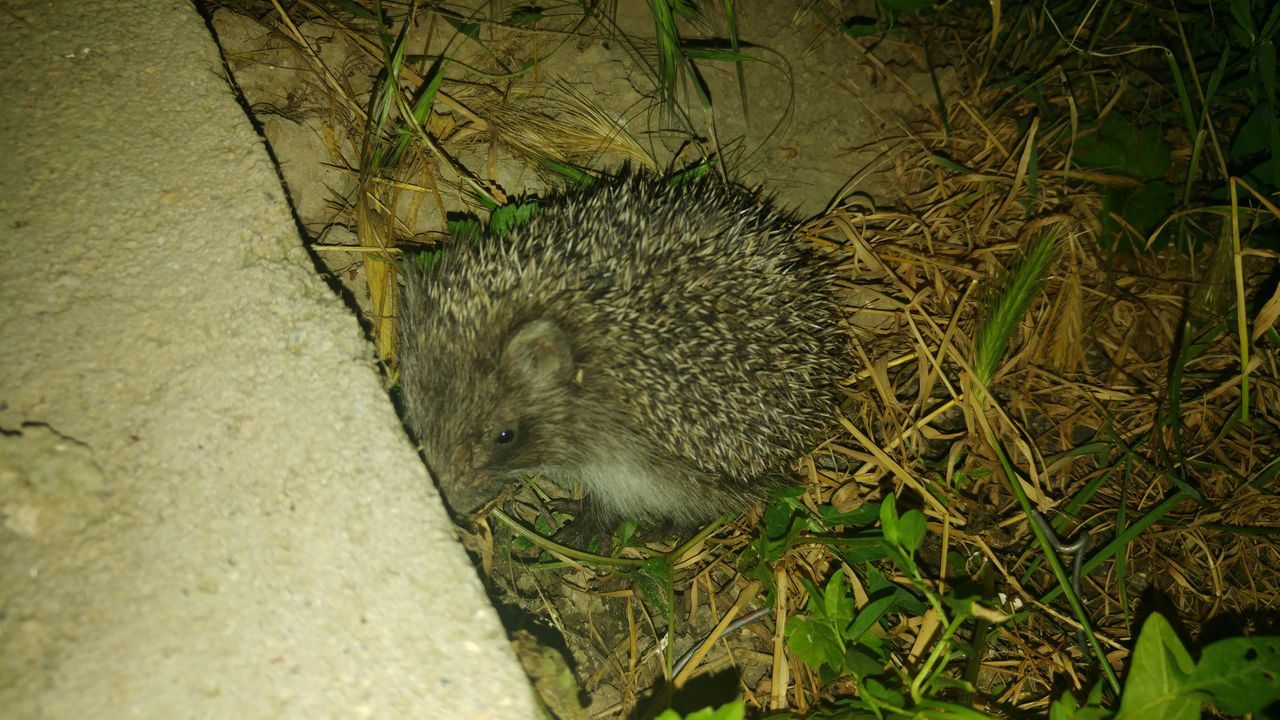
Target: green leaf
(698, 52)
(823, 637)
(527, 15)
(868, 617)
(778, 518)
(427, 260)
(1066, 708)
(889, 520)
(625, 534)
(837, 606)
(1241, 11)
(1149, 153)
(354, 8)
(949, 164)
(512, 215)
(653, 579)
(814, 643)
(877, 583)
(576, 176)
(1254, 133)
(1242, 674)
(735, 710)
(866, 659)
(1117, 146)
(1144, 208)
(882, 695)
(861, 516)
(911, 529)
(469, 29)
(1158, 685)
(861, 549)
(690, 173)
(465, 229)
(1147, 206)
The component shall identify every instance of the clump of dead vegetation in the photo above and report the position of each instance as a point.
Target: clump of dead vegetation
(1139, 400)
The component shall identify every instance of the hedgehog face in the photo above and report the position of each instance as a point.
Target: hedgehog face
(494, 423)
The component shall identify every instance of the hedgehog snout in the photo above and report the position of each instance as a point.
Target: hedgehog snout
(465, 489)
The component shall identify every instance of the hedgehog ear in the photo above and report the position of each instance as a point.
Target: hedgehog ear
(539, 354)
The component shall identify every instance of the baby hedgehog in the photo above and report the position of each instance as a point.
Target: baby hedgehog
(669, 348)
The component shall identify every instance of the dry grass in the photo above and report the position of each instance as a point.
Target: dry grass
(1083, 398)
(1121, 402)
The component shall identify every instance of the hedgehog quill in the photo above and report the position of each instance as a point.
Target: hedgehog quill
(670, 349)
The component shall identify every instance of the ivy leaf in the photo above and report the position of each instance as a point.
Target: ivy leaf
(1158, 685)
(1242, 674)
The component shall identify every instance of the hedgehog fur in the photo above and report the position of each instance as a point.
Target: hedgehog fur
(670, 349)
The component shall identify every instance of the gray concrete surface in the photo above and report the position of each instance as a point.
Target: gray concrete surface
(209, 507)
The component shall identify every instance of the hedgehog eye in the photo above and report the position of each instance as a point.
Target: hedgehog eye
(505, 437)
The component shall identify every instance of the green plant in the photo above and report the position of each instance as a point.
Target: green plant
(842, 640)
(732, 711)
(674, 73)
(1241, 48)
(1213, 64)
(1236, 676)
(1136, 151)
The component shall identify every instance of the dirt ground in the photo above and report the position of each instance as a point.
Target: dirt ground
(808, 128)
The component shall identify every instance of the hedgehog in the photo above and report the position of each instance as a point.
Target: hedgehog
(670, 349)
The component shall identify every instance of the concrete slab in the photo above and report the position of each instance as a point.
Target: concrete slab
(209, 506)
